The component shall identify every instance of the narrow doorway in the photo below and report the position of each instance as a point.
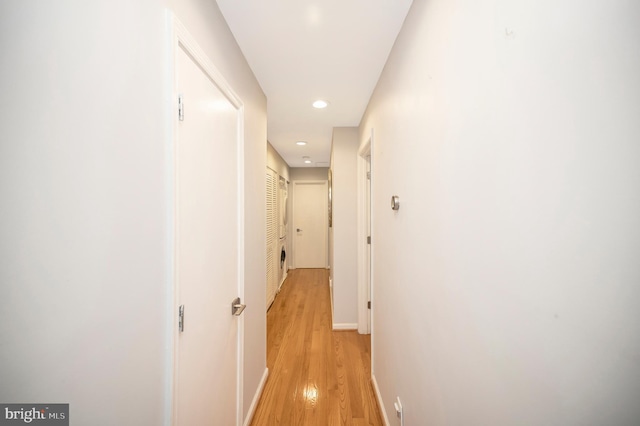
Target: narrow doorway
(208, 248)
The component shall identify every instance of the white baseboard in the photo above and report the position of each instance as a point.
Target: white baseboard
(345, 326)
(284, 277)
(256, 398)
(379, 398)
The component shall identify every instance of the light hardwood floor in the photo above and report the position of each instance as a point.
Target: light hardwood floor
(316, 376)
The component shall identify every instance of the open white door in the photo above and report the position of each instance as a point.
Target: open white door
(367, 261)
(208, 241)
(364, 237)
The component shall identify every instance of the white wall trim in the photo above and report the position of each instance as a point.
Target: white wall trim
(184, 38)
(173, 49)
(345, 326)
(383, 411)
(331, 296)
(256, 398)
(171, 135)
(284, 278)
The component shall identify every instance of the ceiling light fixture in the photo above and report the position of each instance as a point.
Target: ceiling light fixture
(320, 104)
(301, 143)
(307, 161)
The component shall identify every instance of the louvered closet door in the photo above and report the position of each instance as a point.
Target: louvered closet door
(272, 235)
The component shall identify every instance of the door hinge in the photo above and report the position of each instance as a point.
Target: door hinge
(369, 239)
(181, 318)
(369, 175)
(369, 304)
(181, 107)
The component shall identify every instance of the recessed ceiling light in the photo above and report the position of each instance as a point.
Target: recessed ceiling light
(307, 161)
(320, 104)
(301, 143)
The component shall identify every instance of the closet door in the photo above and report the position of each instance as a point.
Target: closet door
(272, 235)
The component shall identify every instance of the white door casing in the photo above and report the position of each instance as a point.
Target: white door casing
(367, 263)
(310, 224)
(208, 221)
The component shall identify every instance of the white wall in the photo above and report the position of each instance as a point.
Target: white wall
(276, 163)
(506, 287)
(343, 241)
(309, 173)
(84, 250)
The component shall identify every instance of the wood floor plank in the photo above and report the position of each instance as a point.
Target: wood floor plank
(316, 376)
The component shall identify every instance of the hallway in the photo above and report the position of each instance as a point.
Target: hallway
(316, 376)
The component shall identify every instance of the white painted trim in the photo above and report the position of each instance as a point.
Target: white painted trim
(256, 398)
(173, 49)
(180, 38)
(346, 326)
(293, 225)
(284, 278)
(372, 277)
(241, 262)
(170, 132)
(331, 296)
(365, 147)
(379, 398)
(184, 38)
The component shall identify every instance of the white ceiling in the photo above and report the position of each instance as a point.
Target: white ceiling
(303, 50)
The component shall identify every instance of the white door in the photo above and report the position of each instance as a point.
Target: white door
(310, 224)
(365, 278)
(368, 249)
(208, 253)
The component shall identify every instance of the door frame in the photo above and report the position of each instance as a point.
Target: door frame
(180, 38)
(365, 251)
(325, 228)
